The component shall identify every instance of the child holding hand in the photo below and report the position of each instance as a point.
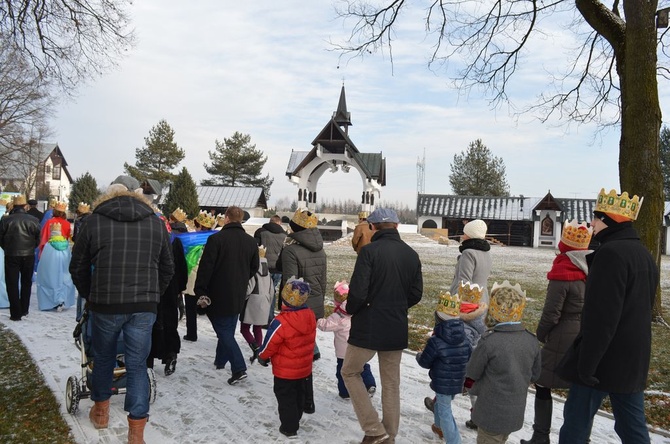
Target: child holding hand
(340, 323)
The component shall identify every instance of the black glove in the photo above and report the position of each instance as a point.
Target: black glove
(263, 362)
(589, 380)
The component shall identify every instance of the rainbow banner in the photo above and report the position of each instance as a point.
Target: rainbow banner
(193, 244)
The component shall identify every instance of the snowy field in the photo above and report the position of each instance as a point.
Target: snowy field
(196, 405)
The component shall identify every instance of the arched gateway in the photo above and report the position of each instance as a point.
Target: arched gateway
(332, 150)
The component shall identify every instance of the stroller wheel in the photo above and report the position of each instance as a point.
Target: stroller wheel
(152, 385)
(72, 395)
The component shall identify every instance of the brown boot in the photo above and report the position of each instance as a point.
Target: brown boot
(136, 430)
(99, 414)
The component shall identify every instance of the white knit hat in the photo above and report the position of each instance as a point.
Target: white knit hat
(475, 229)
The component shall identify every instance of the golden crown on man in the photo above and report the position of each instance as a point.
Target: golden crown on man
(623, 204)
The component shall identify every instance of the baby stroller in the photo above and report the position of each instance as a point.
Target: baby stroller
(78, 388)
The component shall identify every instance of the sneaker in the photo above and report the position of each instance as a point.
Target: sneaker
(237, 377)
(470, 424)
(437, 431)
(190, 338)
(372, 390)
(378, 439)
(347, 397)
(12, 318)
(59, 308)
(429, 403)
(289, 435)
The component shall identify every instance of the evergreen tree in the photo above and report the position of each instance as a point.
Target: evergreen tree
(84, 189)
(182, 195)
(159, 157)
(665, 160)
(477, 173)
(237, 162)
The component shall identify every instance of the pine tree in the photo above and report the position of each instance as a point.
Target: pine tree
(182, 195)
(84, 189)
(159, 157)
(476, 172)
(237, 162)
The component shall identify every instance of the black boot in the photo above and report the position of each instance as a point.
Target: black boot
(542, 423)
(180, 306)
(190, 305)
(254, 350)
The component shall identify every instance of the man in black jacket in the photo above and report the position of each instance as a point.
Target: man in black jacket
(386, 282)
(121, 264)
(610, 355)
(33, 211)
(229, 260)
(19, 236)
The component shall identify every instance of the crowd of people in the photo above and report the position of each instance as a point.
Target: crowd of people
(139, 272)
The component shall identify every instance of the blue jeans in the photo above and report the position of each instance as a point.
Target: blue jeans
(444, 418)
(136, 328)
(368, 378)
(582, 404)
(227, 349)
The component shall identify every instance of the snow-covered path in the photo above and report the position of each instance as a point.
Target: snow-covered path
(196, 405)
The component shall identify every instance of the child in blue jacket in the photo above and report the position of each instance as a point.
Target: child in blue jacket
(446, 355)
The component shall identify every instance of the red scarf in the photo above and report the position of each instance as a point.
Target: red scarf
(563, 269)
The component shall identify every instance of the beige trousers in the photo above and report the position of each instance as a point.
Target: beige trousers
(484, 437)
(389, 370)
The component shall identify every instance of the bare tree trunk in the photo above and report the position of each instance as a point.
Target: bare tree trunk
(639, 156)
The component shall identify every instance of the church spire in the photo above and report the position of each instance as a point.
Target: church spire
(342, 117)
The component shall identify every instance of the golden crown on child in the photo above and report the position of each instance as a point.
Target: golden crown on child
(623, 204)
(470, 292)
(576, 235)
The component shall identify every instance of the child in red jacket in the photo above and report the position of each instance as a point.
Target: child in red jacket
(289, 346)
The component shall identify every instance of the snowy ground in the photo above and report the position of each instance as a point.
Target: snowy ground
(196, 405)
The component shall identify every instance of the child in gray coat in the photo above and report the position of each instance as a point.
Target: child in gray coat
(505, 362)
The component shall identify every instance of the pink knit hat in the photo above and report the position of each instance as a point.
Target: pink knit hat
(340, 291)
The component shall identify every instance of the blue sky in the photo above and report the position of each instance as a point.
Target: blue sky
(266, 69)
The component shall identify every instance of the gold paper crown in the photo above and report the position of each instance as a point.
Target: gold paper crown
(220, 218)
(576, 235)
(3, 202)
(305, 219)
(471, 293)
(60, 206)
(363, 215)
(205, 219)
(179, 215)
(506, 302)
(19, 200)
(261, 251)
(83, 207)
(295, 292)
(448, 304)
(622, 205)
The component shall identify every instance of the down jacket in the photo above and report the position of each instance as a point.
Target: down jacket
(386, 282)
(289, 343)
(446, 355)
(560, 320)
(303, 257)
(122, 261)
(271, 236)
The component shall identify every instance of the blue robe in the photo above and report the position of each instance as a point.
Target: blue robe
(54, 283)
(4, 300)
